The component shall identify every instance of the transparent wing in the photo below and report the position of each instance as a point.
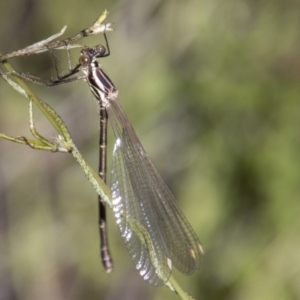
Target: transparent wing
(155, 231)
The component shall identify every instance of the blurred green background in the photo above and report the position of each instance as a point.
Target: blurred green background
(212, 88)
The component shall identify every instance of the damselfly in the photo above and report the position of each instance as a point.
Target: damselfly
(155, 231)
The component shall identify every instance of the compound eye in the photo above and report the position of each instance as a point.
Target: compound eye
(84, 59)
(100, 50)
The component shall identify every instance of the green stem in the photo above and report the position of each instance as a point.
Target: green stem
(29, 94)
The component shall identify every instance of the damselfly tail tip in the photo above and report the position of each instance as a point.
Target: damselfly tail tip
(108, 266)
(106, 259)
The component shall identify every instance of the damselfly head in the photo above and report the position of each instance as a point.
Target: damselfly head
(100, 51)
(85, 58)
(89, 54)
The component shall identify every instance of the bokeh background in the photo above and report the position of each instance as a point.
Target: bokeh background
(212, 88)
